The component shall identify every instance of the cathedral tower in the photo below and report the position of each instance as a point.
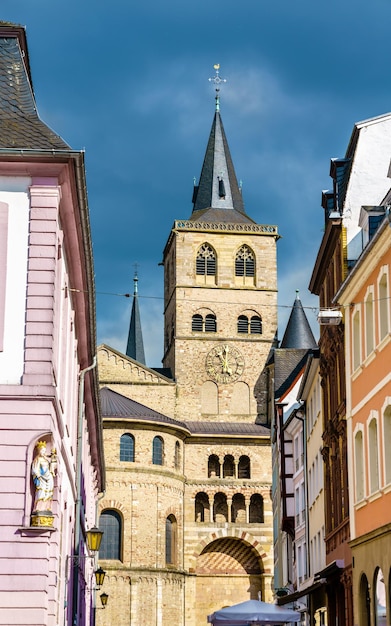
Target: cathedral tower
(220, 295)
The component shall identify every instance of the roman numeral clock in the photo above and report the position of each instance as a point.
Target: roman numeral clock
(224, 363)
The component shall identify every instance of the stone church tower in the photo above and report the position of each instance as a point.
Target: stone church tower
(187, 514)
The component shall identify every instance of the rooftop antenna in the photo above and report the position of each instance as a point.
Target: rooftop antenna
(217, 80)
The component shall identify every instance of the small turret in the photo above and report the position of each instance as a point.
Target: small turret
(135, 346)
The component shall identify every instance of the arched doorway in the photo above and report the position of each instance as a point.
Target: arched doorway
(364, 602)
(229, 571)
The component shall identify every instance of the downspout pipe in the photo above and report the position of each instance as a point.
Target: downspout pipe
(79, 454)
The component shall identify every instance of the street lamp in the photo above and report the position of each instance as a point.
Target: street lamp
(103, 598)
(94, 539)
(99, 577)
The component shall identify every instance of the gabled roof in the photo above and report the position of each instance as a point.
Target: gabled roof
(20, 125)
(217, 197)
(298, 333)
(135, 345)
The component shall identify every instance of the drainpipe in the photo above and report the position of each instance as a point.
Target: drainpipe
(76, 595)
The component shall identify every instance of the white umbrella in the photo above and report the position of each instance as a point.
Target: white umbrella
(253, 612)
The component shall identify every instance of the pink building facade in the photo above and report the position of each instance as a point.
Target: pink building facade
(48, 379)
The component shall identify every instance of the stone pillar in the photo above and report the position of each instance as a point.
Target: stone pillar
(247, 504)
(229, 505)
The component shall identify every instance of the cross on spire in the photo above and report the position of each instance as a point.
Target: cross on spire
(217, 80)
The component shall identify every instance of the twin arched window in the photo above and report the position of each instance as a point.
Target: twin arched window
(206, 261)
(204, 325)
(250, 326)
(126, 448)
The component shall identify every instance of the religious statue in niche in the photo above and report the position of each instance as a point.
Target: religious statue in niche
(43, 470)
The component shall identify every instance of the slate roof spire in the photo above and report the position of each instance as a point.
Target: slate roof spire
(298, 333)
(218, 197)
(135, 346)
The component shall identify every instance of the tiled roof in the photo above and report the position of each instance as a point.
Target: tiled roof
(221, 216)
(227, 428)
(20, 126)
(287, 365)
(114, 404)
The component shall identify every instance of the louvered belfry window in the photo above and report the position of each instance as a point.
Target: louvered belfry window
(197, 323)
(210, 323)
(206, 261)
(243, 324)
(256, 325)
(245, 262)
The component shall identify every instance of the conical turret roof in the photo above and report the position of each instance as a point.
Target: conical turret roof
(298, 333)
(135, 345)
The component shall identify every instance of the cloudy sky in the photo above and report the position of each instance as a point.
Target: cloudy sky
(128, 82)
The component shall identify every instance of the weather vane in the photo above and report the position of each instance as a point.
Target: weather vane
(217, 80)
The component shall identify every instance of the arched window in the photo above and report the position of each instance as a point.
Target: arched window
(256, 509)
(244, 467)
(256, 325)
(110, 522)
(177, 458)
(213, 466)
(126, 448)
(384, 305)
(171, 540)
(359, 459)
(387, 437)
(380, 596)
(369, 325)
(201, 507)
(373, 456)
(228, 466)
(245, 262)
(238, 509)
(206, 261)
(210, 323)
(356, 340)
(220, 508)
(157, 451)
(197, 323)
(243, 324)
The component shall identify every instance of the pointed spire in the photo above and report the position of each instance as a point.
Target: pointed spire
(298, 333)
(218, 195)
(135, 346)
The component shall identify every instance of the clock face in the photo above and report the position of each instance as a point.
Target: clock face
(224, 363)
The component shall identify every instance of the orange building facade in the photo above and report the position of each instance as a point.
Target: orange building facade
(365, 299)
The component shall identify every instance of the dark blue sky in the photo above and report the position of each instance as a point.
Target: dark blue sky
(128, 82)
